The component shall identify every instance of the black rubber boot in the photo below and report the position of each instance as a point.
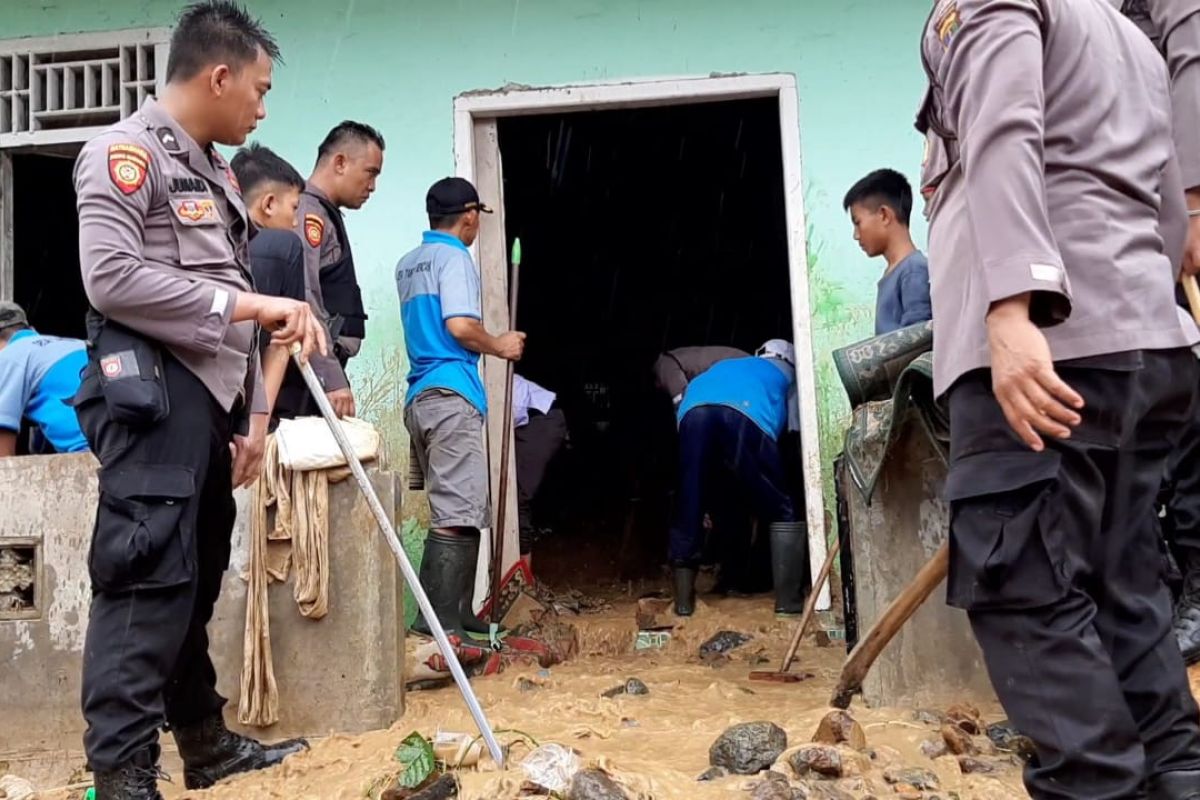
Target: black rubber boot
(1187, 609)
(210, 752)
(470, 622)
(447, 559)
(135, 780)
(1183, 785)
(685, 591)
(789, 566)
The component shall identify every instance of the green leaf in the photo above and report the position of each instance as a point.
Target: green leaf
(415, 754)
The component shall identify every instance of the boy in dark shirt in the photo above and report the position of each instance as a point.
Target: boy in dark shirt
(879, 206)
(271, 191)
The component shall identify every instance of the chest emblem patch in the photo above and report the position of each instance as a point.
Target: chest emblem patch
(196, 211)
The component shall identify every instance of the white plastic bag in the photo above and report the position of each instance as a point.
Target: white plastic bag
(551, 766)
(306, 443)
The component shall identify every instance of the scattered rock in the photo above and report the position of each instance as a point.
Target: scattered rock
(636, 687)
(592, 784)
(713, 774)
(819, 791)
(772, 775)
(722, 643)
(916, 777)
(526, 685)
(971, 765)
(821, 639)
(614, 691)
(1007, 739)
(443, 788)
(967, 717)
(927, 716)
(821, 759)
(772, 790)
(838, 727)
(626, 722)
(748, 748)
(654, 613)
(934, 748)
(958, 741)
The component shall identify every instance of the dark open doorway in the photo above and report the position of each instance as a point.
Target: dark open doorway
(642, 230)
(46, 279)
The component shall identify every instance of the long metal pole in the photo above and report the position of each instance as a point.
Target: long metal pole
(505, 443)
(393, 541)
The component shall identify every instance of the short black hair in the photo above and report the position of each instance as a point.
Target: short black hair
(883, 187)
(256, 167)
(216, 32)
(440, 223)
(10, 331)
(347, 131)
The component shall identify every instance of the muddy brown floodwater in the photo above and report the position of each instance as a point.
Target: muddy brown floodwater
(655, 745)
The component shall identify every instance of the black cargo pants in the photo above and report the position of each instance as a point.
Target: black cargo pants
(1055, 557)
(160, 545)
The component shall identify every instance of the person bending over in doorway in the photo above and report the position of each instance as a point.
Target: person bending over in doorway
(540, 433)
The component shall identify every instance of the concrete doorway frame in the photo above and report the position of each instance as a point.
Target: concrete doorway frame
(477, 158)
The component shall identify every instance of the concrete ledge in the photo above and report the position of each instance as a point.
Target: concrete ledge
(934, 658)
(343, 673)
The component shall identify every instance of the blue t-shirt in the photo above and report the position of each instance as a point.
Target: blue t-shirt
(755, 387)
(436, 282)
(37, 375)
(903, 295)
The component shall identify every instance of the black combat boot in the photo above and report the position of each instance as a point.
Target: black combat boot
(1187, 609)
(1184, 785)
(447, 559)
(137, 779)
(685, 591)
(210, 752)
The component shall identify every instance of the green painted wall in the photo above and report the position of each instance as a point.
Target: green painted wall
(399, 64)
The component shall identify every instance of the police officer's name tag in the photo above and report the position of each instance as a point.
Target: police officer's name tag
(120, 365)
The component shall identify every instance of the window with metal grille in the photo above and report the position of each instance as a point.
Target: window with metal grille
(20, 579)
(66, 88)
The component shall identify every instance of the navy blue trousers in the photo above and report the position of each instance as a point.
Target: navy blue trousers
(721, 450)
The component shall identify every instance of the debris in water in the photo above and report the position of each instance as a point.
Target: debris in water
(772, 790)
(821, 759)
(930, 717)
(748, 748)
(967, 717)
(652, 640)
(1008, 739)
(635, 686)
(443, 788)
(592, 784)
(920, 779)
(416, 756)
(722, 643)
(958, 741)
(526, 685)
(551, 766)
(713, 773)
(934, 748)
(838, 727)
(970, 765)
(15, 788)
(654, 613)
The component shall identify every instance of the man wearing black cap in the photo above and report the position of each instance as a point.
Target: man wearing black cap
(441, 309)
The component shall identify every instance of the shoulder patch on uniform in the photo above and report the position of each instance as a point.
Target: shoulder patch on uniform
(948, 23)
(233, 181)
(127, 166)
(314, 229)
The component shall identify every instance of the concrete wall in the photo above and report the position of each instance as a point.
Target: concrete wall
(934, 658)
(342, 673)
(398, 64)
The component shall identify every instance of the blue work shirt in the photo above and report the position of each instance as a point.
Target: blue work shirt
(902, 297)
(757, 388)
(37, 375)
(436, 282)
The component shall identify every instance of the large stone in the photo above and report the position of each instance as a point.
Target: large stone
(838, 727)
(721, 643)
(772, 790)
(974, 765)
(823, 760)
(934, 748)
(1006, 738)
(592, 784)
(748, 748)
(967, 717)
(916, 777)
(958, 741)
(654, 613)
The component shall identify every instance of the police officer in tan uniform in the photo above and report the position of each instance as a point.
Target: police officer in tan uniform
(349, 161)
(171, 401)
(1057, 222)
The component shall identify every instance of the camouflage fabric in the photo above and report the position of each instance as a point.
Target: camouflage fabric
(889, 380)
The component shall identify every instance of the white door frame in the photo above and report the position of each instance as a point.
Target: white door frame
(479, 108)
